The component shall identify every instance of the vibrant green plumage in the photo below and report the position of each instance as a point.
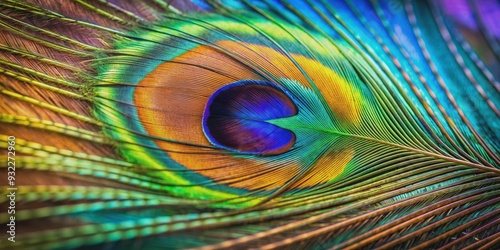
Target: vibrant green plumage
(272, 124)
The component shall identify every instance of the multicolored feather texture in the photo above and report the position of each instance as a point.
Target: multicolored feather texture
(265, 124)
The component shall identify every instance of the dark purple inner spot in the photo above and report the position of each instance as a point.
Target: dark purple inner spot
(235, 118)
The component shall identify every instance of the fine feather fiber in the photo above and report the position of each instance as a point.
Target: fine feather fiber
(237, 124)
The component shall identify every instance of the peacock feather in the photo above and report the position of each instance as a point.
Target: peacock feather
(267, 124)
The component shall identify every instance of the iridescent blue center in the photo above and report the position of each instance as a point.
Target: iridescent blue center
(236, 115)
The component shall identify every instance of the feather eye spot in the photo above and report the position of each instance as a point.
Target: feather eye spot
(236, 115)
